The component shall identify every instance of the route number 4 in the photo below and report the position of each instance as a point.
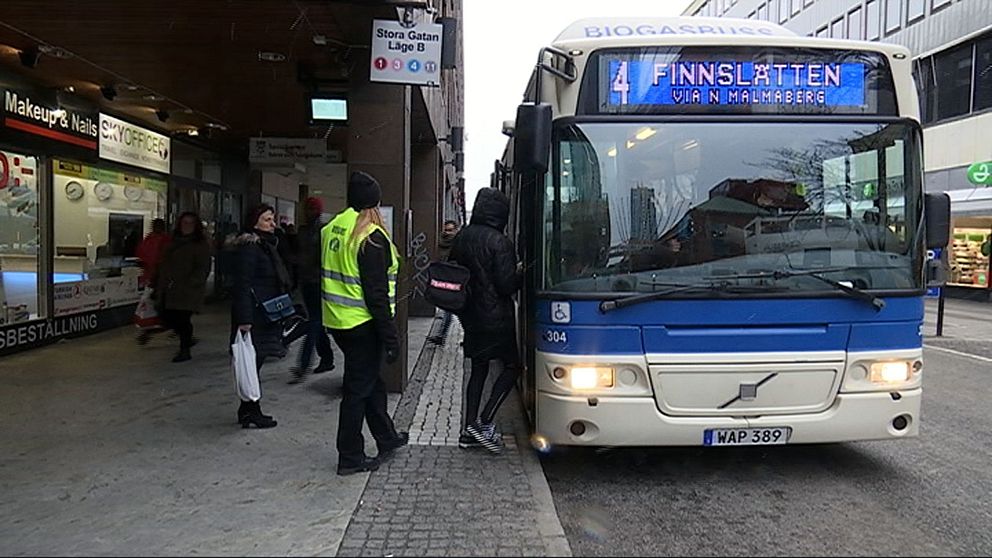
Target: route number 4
(620, 84)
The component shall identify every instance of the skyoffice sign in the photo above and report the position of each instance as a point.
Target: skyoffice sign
(24, 112)
(132, 145)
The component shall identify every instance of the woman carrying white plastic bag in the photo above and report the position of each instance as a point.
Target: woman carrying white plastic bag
(245, 371)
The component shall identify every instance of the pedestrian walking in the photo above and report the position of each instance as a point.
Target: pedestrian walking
(360, 266)
(489, 319)
(182, 280)
(308, 278)
(149, 254)
(448, 232)
(261, 276)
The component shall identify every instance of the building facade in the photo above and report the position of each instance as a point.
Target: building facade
(951, 41)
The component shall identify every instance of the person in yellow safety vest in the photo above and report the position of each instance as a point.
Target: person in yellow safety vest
(359, 264)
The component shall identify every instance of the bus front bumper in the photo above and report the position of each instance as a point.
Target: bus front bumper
(636, 421)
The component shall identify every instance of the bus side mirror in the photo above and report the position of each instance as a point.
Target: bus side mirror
(937, 212)
(532, 138)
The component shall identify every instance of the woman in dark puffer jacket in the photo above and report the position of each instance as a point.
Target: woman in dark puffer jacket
(260, 275)
(489, 318)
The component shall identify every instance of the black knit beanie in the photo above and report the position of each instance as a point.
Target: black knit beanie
(363, 191)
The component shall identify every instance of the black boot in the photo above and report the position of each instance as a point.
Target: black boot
(256, 417)
(182, 356)
(247, 408)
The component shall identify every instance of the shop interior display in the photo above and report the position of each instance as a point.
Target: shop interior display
(969, 257)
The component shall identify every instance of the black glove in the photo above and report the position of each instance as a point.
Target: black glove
(392, 354)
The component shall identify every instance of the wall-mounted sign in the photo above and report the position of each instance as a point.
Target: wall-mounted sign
(286, 150)
(980, 173)
(26, 113)
(95, 294)
(133, 145)
(410, 55)
(22, 336)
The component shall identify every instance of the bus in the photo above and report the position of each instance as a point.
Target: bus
(725, 231)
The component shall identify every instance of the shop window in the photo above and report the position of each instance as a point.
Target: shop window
(855, 25)
(915, 10)
(763, 11)
(797, 6)
(20, 243)
(953, 76)
(101, 217)
(783, 11)
(872, 19)
(821, 32)
(807, 3)
(983, 74)
(969, 256)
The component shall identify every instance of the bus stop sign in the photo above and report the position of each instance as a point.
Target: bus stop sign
(980, 173)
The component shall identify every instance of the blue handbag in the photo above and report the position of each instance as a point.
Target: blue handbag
(278, 308)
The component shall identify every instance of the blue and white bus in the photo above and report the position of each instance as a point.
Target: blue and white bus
(724, 230)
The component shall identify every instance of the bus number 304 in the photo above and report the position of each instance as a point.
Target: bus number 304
(554, 336)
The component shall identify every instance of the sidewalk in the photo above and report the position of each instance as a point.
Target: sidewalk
(109, 448)
(967, 326)
(438, 500)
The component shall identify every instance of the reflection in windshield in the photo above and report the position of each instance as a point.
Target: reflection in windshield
(634, 207)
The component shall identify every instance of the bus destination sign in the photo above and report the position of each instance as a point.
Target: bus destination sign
(735, 83)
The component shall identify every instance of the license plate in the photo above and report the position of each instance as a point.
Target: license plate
(746, 436)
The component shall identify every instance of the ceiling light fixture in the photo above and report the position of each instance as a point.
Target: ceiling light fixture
(215, 126)
(54, 51)
(153, 97)
(645, 133)
(268, 56)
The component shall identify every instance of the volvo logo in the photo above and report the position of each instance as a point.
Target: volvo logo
(748, 391)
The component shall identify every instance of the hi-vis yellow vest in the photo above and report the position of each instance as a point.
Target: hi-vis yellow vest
(341, 283)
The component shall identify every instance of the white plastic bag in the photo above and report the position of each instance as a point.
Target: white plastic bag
(245, 371)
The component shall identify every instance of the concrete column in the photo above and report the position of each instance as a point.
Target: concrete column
(379, 144)
(426, 188)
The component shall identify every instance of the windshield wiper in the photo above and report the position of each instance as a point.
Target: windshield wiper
(849, 290)
(724, 282)
(609, 305)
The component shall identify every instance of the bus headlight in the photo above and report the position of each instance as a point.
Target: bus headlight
(882, 375)
(888, 373)
(581, 378)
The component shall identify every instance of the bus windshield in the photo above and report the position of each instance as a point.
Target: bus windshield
(641, 207)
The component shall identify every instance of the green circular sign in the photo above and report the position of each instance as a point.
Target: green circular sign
(980, 173)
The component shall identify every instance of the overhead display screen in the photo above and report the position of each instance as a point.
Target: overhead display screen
(769, 81)
(646, 82)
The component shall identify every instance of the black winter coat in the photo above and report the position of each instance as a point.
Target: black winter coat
(258, 278)
(490, 256)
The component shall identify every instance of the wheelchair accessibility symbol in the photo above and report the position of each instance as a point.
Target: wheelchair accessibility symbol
(561, 312)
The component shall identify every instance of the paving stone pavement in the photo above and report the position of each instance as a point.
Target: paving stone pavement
(434, 499)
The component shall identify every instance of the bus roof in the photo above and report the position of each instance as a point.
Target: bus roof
(614, 27)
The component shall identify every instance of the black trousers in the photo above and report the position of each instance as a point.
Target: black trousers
(316, 336)
(364, 393)
(181, 322)
(483, 348)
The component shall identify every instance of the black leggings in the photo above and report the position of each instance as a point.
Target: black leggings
(181, 322)
(477, 383)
